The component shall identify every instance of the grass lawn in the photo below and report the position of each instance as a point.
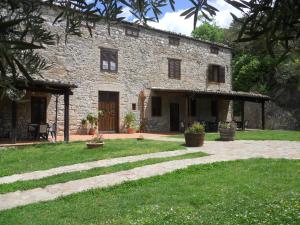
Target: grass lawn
(47, 156)
(25, 185)
(256, 191)
(255, 135)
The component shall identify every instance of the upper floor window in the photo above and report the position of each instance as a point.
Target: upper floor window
(214, 49)
(109, 60)
(156, 106)
(132, 31)
(174, 68)
(216, 73)
(174, 41)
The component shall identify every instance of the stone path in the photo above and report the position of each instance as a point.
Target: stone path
(90, 165)
(221, 151)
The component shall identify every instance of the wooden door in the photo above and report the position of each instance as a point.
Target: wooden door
(109, 105)
(174, 117)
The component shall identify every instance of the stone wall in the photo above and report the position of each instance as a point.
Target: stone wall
(142, 64)
(276, 117)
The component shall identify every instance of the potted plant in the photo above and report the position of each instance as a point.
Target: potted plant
(194, 135)
(83, 129)
(130, 123)
(96, 142)
(227, 131)
(93, 120)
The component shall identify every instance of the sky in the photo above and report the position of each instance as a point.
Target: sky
(172, 21)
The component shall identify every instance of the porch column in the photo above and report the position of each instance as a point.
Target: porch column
(66, 117)
(263, 115)
(56, 109)
(243, 114)
(186, 112)
(13, 122)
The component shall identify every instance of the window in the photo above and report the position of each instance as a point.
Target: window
(216, 73)
(214, 108)
(174, 68)
(133, 106)
(214, 49)
(109, 60)
(156, 106)
(38, 110)
(193, 107)
(132, 31)
(174, 41)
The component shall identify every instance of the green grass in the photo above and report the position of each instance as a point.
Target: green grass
(256, 191)
(61, 178)
(45, 156)
(255, 135)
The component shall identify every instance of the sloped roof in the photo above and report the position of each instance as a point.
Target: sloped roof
(249, 96)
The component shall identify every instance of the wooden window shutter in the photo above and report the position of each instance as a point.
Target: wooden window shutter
(174, 67)
(222, 74)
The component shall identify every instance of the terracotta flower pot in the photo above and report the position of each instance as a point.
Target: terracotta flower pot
(91, 145)
(130, 130)
(227, 134)
(194, 140)
(92, 131)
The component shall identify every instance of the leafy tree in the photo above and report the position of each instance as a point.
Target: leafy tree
(209, 31)
(252, 73)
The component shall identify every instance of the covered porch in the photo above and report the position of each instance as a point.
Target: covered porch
(19, 119)
(181, 107)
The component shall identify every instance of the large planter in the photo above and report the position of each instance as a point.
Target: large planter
(130, 130)
(92, 131)
(91, 145)
(227, 134)
(194, 140)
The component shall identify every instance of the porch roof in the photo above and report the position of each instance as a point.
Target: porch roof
(46, 85)
(231, 95)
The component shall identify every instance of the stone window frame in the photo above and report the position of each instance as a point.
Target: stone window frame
(216, 73)
(174, 68)
(111, 55)
(132, 31)
(175, 41)
(156, 106)
(214, 49)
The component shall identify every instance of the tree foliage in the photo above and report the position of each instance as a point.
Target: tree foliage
(209, 31)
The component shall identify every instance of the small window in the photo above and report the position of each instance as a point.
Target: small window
(174, 68)
(132, 31)
(38, 110)
(193, 107)
(214, 49)
(109, 60)
(133, 106)
(156, 106)
(214, 108)
(216, 73)
(174, 41)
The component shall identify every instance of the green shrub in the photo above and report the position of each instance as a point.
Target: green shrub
(196, 128)
(130, 120)
(227, 125)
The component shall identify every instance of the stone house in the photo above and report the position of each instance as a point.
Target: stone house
(165, 79)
